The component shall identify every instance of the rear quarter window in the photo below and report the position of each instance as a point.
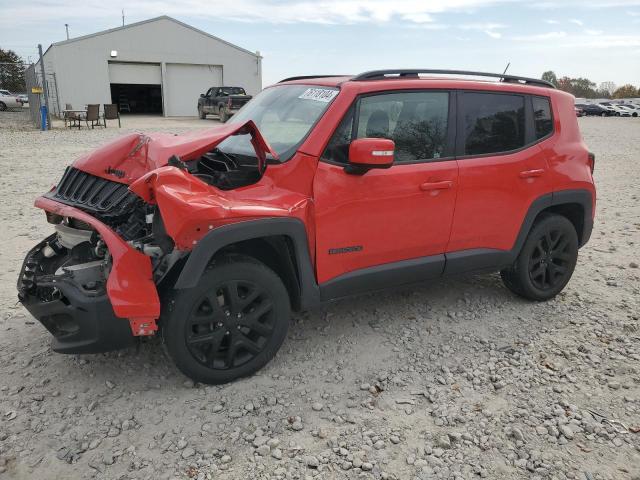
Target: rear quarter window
(542, 117)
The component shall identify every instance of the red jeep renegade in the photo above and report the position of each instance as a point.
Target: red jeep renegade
(319, 188)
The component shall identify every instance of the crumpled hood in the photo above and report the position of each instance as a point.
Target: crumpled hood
(132, 156)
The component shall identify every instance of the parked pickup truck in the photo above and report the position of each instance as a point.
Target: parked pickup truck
(222, 101)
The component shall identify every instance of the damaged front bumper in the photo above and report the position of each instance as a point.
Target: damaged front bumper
(79, 323)
(90, 319)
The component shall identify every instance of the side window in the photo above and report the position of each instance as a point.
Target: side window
(415, 121)
(493, 123)
(542, 118)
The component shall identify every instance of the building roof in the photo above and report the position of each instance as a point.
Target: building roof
(155, 19)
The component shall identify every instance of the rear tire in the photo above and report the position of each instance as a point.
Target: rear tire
(547, 259)
(231, 324)
(3, 106)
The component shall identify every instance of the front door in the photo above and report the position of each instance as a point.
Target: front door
(369, 224)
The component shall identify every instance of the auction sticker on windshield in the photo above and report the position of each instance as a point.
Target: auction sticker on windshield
(319, 94)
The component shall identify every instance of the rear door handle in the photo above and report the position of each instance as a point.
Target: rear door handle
(436, 185)
(532, 173)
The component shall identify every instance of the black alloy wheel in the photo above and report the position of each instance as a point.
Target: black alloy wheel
(230, 324)
(550, 260)
(546, 261)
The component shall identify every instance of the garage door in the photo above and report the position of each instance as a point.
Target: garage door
(135, 73)
(183, 85)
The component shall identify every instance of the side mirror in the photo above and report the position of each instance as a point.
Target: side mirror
(368, 153)
(202, 95)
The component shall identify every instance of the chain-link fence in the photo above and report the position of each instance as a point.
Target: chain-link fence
(21, 79)
(12, 82)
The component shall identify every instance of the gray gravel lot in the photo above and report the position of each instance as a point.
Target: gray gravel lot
(454, 380)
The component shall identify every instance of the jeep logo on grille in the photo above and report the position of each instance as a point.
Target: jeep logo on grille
(114, 171)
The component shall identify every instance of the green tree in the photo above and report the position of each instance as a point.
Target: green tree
(578, 87)
(11, 71)
(551, 77)
(626, 91)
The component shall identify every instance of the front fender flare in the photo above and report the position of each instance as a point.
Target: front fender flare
(226, 235)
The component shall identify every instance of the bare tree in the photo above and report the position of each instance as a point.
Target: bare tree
(607, 89)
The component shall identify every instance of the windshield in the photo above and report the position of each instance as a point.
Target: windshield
(284, 115)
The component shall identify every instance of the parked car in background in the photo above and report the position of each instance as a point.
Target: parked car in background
(614, 112)
(23, 98)
(8, 100)
(222, 101)
(633, 110)
(591, 109)
(319, 188)
(619, 112)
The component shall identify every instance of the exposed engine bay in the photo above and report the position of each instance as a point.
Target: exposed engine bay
(225, 171)
(76, 253)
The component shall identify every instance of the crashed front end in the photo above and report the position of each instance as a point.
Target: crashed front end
(93, 283)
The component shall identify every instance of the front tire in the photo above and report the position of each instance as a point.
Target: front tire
(223, 115)
(231, 324)
(201, 113)
(3, 106)
(547, 259)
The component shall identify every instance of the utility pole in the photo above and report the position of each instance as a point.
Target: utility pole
(66, 26)
(123, 17)
(47, 119)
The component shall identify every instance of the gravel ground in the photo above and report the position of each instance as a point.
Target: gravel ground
(454, 380)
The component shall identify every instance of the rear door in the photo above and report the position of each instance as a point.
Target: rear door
(502, 168)
(398, 218)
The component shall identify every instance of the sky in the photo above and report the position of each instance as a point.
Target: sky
(598, 39)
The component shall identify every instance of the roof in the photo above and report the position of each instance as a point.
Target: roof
(431, 82)
(377, 80)
(155, 19)
(419, 74)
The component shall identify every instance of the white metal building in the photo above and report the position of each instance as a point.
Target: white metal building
(156, 66)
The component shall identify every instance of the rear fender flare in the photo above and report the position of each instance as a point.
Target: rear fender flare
(581, 197)
(226, 235)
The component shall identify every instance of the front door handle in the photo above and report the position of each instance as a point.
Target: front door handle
(532, 173)
(436, 185)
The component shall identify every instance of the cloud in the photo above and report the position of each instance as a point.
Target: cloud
(341, 12)
(540, 36)
(486, 28)
(552, 22)
(580, 23)
(604, 41)
(270, 11)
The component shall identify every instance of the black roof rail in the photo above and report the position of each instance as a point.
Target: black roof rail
(309, 77)
(414, 73)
